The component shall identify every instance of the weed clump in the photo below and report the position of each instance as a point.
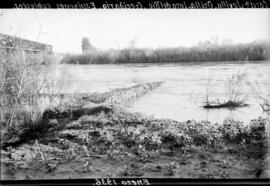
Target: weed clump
(235, 96)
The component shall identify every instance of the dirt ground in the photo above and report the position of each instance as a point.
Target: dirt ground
(198, 163)
(119, 144)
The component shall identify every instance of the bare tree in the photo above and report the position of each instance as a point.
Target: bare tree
(235, 96)
(263, 96)
(234, 88)
(21, 85)
(20, 82)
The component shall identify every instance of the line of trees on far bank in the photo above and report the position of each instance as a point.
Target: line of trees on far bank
(203, 52)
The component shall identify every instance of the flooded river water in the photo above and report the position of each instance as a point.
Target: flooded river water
(184, 90)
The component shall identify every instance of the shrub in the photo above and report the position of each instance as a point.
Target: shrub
(235, 96)
(174, 140)
(258, 129)
(204, 133)
(233, 131)
(151, 140)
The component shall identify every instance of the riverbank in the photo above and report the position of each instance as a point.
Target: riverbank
(104, 140)
(65, 108)
(120, 144)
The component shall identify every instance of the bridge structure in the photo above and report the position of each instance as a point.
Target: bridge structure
(10, 43)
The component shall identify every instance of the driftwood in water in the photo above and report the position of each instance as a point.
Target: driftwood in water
(229, 104)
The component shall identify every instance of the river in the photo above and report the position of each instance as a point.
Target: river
(184, 90)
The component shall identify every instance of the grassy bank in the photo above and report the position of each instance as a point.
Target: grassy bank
(65, 108)
(110, 142)
(205, 52)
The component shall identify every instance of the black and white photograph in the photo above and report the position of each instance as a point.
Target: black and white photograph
(106, 93)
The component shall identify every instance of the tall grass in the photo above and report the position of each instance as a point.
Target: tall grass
(202, 53)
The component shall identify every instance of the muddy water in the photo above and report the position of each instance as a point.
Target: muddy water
(184, 89)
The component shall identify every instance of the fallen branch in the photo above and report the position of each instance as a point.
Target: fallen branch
(229, 104)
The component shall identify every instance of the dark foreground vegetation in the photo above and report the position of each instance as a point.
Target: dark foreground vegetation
(205, 52)
(113, 143)
(106, 141)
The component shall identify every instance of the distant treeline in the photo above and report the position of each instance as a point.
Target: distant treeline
(203, 52)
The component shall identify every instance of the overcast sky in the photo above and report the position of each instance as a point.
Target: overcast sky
(106, 29)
